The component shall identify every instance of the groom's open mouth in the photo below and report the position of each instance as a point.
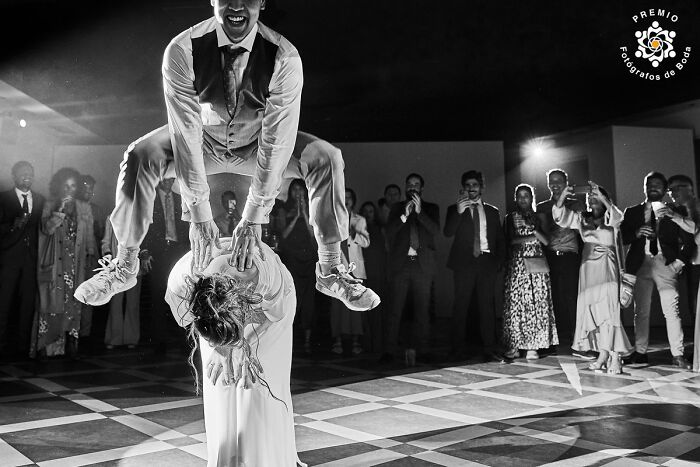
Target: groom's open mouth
(237, 21)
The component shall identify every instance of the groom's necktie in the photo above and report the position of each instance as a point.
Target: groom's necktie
(231, 52)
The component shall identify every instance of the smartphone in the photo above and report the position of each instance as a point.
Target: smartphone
(582, 189)
(656, 205)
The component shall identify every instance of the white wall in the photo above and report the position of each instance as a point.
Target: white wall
(569, 152)
(639, 150)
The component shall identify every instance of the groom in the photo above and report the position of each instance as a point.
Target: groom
(233, 94)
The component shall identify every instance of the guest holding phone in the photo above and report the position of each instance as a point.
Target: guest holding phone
(659, 248)
(598, 322)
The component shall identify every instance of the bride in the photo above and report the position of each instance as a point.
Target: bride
(242, 322)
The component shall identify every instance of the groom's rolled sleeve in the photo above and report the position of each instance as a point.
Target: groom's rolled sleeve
(277, 137)
(185, 126)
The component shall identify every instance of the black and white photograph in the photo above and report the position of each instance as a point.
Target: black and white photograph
(281, 233)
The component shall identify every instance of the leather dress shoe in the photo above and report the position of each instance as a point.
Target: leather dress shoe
(681, 362)
(636, 358)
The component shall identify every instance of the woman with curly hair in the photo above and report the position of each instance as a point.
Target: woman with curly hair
(242, 323)
(67, 247)
(598, 321)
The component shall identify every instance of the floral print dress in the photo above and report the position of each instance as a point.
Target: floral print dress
(528, 317)
(66, 242)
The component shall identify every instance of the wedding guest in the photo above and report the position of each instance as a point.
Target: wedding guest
(477, 252)
(411, 230)
(66, 251)
(227, 220)
(598, 321)
(375, 256)
(123, 320)
(20, 218)
(528, 317)
(298, 253)
(659, 249)
(563, 258)
(343, 320)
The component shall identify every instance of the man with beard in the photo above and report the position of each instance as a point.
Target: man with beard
(411, 230)
(563, 258)
(477, 253)
(658, 250)
(20, 217)
(233, 95)
(229, 219)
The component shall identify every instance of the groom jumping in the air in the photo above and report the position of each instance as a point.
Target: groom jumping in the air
(233, 94)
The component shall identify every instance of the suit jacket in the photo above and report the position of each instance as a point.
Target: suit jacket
(398, 235)
(16, 243)
(674, 242)
(462, 228)
(154, 241)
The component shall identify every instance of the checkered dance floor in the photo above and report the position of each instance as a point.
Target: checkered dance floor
(132, 409)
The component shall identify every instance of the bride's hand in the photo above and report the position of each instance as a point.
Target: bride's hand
(219, 365)
(241, 368)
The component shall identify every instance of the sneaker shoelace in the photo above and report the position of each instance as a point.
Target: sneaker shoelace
(352, 286)
(108, 268)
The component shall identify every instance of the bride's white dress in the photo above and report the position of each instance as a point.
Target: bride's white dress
(249, 427)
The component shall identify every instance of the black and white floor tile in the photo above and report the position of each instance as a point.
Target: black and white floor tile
(132, 409)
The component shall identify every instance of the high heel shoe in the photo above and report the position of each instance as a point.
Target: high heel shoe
(615, 365)
(598, 366)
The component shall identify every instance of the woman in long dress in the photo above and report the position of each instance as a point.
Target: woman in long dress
(242, 321)
(598, 321)
(67, 247)
(528, 317)
(298, 250)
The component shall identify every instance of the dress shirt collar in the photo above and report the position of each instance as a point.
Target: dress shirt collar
(477, 202)
(246, 43)
(19, 194)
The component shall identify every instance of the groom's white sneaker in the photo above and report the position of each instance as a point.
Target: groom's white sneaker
(112, 278)
(346, 288)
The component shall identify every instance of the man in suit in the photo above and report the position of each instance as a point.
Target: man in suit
(166, 242)
(659, 248)
(411, 229)
(20, 218)
(477, 252)
(232, 89)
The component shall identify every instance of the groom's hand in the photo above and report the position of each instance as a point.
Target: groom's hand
(246, 237)
(202, 236)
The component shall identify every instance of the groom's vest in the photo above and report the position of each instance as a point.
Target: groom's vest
(240, 132)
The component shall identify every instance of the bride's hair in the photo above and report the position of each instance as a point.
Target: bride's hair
(221, 306)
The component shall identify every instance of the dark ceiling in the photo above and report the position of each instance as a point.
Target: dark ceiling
(374, 71)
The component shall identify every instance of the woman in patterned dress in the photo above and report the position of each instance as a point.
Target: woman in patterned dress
(66, 241)
(598, 321)
(528, 318)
